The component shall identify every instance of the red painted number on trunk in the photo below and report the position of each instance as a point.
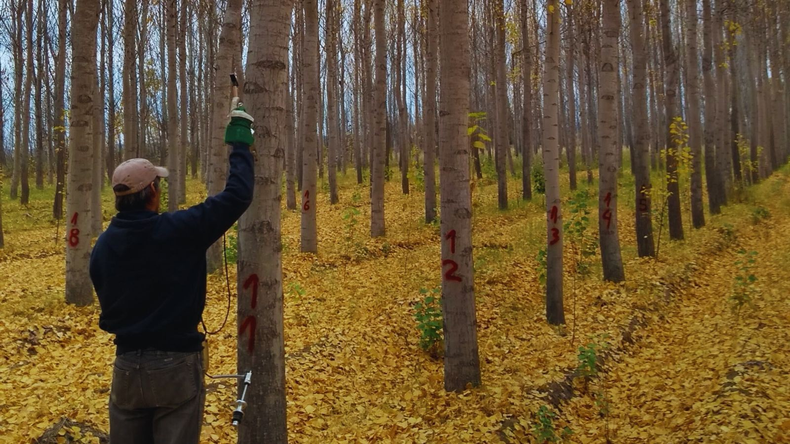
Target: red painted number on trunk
(608, 199)
(450, 273)
(306, 205)
(555, 236)
(607, 216)
(554, 213)
(74, 218)
(451, 237)
(74, 237)
(249, 324)
(252, 281)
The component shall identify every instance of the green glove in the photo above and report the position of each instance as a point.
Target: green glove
(239, 130)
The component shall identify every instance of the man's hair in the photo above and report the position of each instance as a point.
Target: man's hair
(134, 202)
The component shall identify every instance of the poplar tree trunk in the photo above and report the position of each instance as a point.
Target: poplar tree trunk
(173, 137)
(59, 111)
(461, 359)
(260, 262)
(694, 116)
(671, 105)
(332, 99)
(290, 128)
(777, 89)
(502, 145)
(130, 118)
(571, 63)
(429, 108)
(723, 160)
(40, 75)
(607, 158)
(711, 172)
(641, 160)
(17, 13)
(24, 150)
(79, 290)
(555, 313)
(377, 226)
(359, 118)
(142, 116)
(526, 124)
(110, 32)
(310, 68)
(184, 116)
(220, 107)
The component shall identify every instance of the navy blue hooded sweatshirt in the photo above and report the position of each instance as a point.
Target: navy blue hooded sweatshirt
(149, 269)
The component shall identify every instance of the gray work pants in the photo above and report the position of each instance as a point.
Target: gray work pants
(156, 398)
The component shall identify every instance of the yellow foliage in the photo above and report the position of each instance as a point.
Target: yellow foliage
(355, 372)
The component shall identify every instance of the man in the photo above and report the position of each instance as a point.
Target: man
(149, 271)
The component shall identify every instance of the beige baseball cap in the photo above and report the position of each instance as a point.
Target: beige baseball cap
(136, 174)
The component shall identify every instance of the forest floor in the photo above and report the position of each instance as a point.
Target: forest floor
(677, 362)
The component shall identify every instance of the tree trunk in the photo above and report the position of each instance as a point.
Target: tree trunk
(429, 108)
(24, 151)
(400, 98)
(110, 32)
(555, 313)
(377, 226)
(526, 109)
(310, 67)
(571, 63)
(183, 115)
(711, 173)
(502, 145)
(40, 76)
(607, 153)
(79, 290)
(142, 116)
(59, 111)
(461, 360)
(290, 129)
(641, 160)
(332, 99)
(777, 90)
(722, 114)
(173, 136)
(260, 262)
(17, 12)
(218, 151)
(694, 116)
(130, 118)
(671, 105)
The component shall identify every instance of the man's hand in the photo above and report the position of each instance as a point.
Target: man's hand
(239, 130)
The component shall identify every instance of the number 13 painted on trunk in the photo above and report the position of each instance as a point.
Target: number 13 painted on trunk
(554, 235)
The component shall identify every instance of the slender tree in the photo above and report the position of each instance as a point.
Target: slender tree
(23, 151)
(260, 263)
(429, 108)
(461, 360)
(671, 105)
(59, 111)
(607, 157)
(110, 33)
(130, 117)
(79, 290)
(694, 117)
(502, 144)
(183, 102)
(715, 198)
(526, 124)
(173, 137)
(333, 121)
(555, 313)
(641, 160)
(310, 71)
(377, 227)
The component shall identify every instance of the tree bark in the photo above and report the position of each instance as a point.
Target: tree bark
(429, 108)
(526, 109)
(694, 116)
(142, 115)
(79, 290)
(260, 261)
(183, 102)
(173, 135)
(641, 160)
(110, 32)
(40, 75)
(711, 173)
(59, 111)
(310, 67)
(130, 118)
(571, 63)
(502, 145)
(671, 106)
(377, 226)
(24, 149)
(555, 313)
(333, 122)
(607, 158)
(461, 359)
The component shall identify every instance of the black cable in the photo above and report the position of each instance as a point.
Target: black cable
(227, 282)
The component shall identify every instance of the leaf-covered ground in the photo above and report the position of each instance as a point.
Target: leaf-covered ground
(690, 368)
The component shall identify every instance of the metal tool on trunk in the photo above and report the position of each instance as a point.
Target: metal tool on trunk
(246, 380)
